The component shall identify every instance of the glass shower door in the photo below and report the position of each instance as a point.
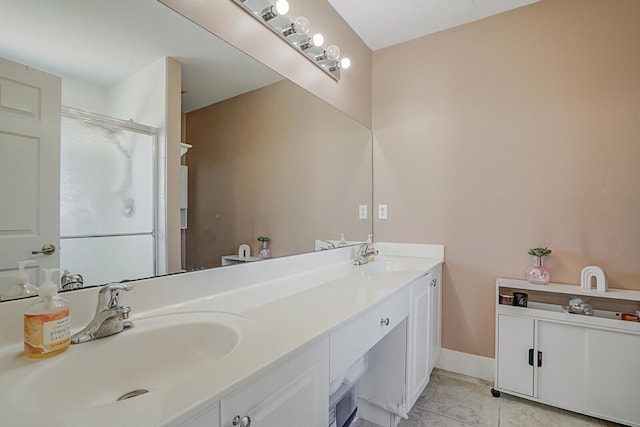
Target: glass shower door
(107, 199)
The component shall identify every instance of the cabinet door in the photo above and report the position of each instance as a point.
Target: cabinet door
(435, 317)
(515, 344)
(294, 394)
(613, 375)
(562, 370)
(418, 350)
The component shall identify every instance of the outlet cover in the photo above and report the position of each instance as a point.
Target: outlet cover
(362, 212)
(382, 211)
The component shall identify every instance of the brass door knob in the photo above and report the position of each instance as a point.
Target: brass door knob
(47, 249)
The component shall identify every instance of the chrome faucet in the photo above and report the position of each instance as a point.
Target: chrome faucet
(364, 252)
(71, 280)
(110, 317)
(330, 245)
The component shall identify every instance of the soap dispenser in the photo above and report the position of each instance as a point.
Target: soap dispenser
(342, 243)
(46, 322)
(21, 287)
(371, 248)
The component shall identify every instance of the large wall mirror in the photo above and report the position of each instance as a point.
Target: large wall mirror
(261, 156)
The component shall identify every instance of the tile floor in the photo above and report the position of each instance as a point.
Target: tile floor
(454, 400)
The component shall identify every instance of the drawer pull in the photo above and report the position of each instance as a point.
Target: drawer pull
(241, 422)
(384, 321)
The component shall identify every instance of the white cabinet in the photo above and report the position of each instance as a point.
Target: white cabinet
(354, 339)
(614, 375)
(418, 353)
(561, 364)
(435, 316)
(542, 359)
(580, 363)
(407, 354)
(423, 335)
(294, 394)
(515, 353)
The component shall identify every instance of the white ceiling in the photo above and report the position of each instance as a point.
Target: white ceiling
(383, 23)
(102, 41)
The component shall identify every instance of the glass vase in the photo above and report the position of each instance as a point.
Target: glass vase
(265, 252)
(537, 273)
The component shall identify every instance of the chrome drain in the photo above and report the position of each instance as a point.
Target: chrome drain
(131, 394)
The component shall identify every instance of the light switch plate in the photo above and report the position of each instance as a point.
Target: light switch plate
(362, 212)
(382, 211)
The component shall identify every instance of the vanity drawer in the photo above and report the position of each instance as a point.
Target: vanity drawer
(354, 339)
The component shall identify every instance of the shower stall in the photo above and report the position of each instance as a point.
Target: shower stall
(108, 198)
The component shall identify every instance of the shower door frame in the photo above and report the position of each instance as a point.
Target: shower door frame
(129, 125)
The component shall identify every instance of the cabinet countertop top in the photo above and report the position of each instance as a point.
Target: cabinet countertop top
(282, 321)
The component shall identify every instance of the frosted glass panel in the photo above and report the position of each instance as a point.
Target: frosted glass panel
(108, 259)
(106, 180)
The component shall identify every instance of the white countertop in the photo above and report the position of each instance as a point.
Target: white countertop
(287, 314)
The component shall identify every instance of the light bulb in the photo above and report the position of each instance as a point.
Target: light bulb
(282, 7)
(345, 63)
(318, 39)
(301, 25)
(332, 52)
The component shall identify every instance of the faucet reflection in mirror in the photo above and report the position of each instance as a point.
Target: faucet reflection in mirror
(296, 34)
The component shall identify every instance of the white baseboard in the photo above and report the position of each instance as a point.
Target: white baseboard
(467, 364)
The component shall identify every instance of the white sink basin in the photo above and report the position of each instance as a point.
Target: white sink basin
(153, 356)
(381, 266)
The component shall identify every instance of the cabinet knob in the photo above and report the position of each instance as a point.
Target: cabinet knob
(241, 421)
(384, 321)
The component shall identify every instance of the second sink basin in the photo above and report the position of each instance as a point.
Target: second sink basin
(389, 265)
(151, 357)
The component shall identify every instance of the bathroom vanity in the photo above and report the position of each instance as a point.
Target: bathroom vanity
(586, 364)
(260, 344)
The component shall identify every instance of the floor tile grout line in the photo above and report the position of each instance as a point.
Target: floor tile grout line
(449, 417)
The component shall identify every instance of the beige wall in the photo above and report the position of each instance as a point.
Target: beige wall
(519, 130)
(278, 162)
(228, 21)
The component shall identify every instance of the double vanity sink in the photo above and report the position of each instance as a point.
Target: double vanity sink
(183, 354)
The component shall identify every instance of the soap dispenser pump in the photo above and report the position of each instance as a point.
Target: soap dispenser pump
(46, 322)
(21, 287)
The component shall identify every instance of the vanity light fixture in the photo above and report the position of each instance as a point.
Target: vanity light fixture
(295, 34)
(301, 25)
(332, 53)
(343, 64)
(280, 9)
(316, 41)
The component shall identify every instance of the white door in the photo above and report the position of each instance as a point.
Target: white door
(30, 103)
(613, 374)
(293, 394)
(561, 361)
(515, 358)
(418, 350)
(435, 317)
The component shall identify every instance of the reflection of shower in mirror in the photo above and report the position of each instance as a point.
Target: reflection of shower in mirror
(107, 198)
